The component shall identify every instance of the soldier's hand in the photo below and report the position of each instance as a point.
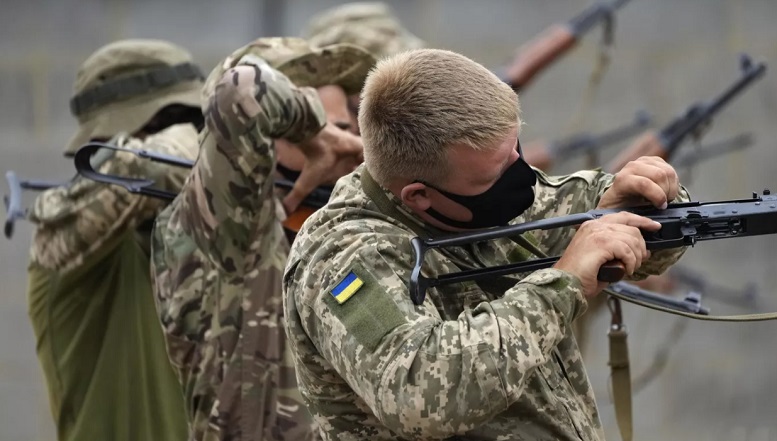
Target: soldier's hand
(613, 237)
(329, 155)
(647, 179)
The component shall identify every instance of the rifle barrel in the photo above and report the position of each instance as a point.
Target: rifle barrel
(700, 113)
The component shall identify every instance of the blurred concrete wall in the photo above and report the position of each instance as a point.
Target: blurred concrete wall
(720, 380)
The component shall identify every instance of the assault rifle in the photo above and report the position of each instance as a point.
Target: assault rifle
(544, 156)
(317, 199)
(13, 202)
(682, 225)
(692, 124)
(544, 49)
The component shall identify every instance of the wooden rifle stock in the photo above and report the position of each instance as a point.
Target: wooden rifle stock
(550, 45)
(538, 54)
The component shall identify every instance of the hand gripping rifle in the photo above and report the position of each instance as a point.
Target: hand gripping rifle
(549, 46)
(544, 156)
(692, 124)
(682, 224)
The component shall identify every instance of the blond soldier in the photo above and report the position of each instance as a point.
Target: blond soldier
(91, 304)
(488, 360)
(219, 248)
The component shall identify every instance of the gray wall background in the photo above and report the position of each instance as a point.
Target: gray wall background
(720, 380)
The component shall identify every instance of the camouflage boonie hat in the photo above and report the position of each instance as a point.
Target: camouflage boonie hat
(344, 65)
(122, 85)
(371, 25)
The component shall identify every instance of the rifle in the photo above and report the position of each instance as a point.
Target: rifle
(13, 201)
(544, 49)
(544, 156)
(682, 224)
(739, 142)
(696, 118)
(82, 159)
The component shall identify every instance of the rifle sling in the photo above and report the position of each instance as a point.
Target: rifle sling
(376, 194)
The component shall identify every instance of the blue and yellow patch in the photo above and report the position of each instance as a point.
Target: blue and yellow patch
(347, 287)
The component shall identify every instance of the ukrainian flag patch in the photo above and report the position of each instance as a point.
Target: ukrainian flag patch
(347, 287)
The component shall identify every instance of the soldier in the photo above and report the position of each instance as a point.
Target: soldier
(488, 360)
(91, 305)
(219, 250)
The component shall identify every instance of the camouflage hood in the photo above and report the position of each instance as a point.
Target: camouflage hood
(124, 84)
(344, 65)
(371, 25)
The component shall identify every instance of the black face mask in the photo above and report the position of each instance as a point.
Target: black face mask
(510, 196)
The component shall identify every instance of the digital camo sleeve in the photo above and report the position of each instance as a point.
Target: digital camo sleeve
(424, 377)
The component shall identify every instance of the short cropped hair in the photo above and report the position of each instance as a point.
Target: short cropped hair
(416, 105)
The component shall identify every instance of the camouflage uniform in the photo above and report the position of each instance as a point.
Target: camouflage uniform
(91, 304)
(371, 25)
(90, 300)
(219, 249)
(494, 360)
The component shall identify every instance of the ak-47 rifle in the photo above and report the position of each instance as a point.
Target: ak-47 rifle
(544, 156)
(682, 225)
(13, 201)
(692, 124)
(551, 44)
(82, 159)
(317, 199)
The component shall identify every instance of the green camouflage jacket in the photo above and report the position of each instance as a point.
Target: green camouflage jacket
(218, 254)
(487, 361)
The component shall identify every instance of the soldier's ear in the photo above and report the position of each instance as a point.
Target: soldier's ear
(416, 196)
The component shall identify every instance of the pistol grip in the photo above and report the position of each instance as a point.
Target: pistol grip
(611, 272)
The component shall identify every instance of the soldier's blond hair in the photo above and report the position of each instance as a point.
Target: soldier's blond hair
(417, 104)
